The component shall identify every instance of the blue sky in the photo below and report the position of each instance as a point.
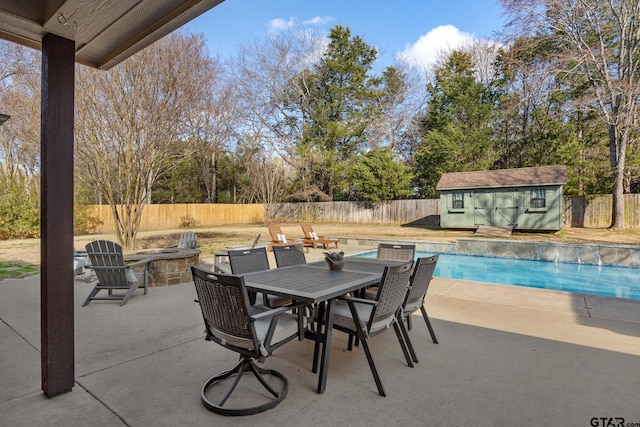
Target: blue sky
(416, 27)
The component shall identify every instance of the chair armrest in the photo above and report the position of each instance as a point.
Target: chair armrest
(276, 311)
(141, 262)
(105, 267)
(359, 300)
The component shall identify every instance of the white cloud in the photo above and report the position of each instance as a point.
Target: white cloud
(279, 24)
(319, 20)
(430, 47)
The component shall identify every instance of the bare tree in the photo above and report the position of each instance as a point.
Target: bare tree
(526, 84)
(128, 117)
(599, 41)
(15, 60)
(212, 128)
(402, 98)
(484, 53)
(271, 83)
(265, 174)
(20, 98)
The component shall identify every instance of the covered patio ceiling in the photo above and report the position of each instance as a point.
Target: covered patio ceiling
(105, 32)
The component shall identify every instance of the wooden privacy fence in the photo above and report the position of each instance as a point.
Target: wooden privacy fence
(417, 211)
(579, 212)
(596, 212)
(160, 217)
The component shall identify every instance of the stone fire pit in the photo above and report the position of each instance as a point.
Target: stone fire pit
(170, 266)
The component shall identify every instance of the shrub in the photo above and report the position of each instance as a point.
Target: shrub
(187, 221)
(19, 208)
(84, 220)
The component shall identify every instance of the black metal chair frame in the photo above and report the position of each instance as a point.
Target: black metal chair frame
(227, 314)
(386, 307)
(418, 287)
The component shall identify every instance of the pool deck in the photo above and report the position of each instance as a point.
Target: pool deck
(507, 356)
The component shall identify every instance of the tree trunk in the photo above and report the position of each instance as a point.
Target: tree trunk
(149, 185)
(127, 219)
(214, 178)
(617, 165)
(617, 212)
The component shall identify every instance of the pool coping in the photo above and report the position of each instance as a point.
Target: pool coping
(588, 253)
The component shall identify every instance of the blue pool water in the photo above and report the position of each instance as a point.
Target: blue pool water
(603, 280)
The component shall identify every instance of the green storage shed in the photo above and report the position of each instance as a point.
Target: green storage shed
(523, 198)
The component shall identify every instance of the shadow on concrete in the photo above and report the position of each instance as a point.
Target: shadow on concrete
(144, 364)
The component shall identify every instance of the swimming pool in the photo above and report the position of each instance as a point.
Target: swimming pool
(603, 280)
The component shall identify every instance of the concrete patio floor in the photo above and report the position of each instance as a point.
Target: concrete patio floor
(507, 356)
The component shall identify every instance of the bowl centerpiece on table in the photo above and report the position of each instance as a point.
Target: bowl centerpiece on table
(335, 260)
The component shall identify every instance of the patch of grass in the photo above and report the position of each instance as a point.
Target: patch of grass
(208, 241)
(14, 270)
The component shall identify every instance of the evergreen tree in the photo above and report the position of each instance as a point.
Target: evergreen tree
(457, 128)
(342, 103)
(380, 177)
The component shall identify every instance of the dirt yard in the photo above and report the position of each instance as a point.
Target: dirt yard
(211, 239)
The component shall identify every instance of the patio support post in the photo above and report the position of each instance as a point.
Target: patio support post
(56, 215)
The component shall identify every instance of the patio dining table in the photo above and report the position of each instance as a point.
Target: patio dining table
(316, 283)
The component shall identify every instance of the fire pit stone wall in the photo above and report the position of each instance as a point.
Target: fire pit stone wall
(170, 266)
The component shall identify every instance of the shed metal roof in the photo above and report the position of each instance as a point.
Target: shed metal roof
(543, 175)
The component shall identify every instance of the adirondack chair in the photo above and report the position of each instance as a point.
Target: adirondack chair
(106, 261)
(188, 240)
(312, 239)
(278, 238)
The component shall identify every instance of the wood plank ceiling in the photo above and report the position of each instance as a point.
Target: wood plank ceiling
(105, 32)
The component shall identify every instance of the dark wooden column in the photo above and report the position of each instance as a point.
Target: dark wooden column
(56, 218)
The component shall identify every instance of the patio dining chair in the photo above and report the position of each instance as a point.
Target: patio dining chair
(253, 332)
(289, 255)
(391, 251)
(398, 252)
(364, 318)
(251, 260)
(418, 287)
(106, 260)
(221, 258)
